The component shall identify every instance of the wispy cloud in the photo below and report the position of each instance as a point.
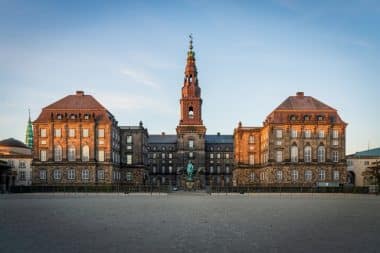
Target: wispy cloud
(362, 43)
(140, 77)
(134, 102)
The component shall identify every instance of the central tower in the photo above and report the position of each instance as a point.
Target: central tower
(191, 131)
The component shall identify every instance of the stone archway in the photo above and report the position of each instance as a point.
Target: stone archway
(351, 177)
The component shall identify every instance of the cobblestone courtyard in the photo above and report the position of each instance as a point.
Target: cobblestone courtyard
(189, 223)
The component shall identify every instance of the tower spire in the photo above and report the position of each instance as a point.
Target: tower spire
(191, 52)
(29, 132)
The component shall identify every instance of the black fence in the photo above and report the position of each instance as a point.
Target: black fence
(251, 189)
(90, 188)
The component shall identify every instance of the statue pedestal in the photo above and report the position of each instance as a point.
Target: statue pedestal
(191, 185)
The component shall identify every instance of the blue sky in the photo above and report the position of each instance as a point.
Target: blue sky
(251, 55)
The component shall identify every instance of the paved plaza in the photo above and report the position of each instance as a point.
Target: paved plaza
(195, 222)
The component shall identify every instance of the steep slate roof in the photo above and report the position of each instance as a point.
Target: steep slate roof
(162, 139)
(11, 142)
(375, 152)
(220, 139)
(301, 102)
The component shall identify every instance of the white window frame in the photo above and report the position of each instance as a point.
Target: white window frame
(335, 156)
(336, 175)
(191, 144)
(322, 175)
(57, 132)
(57, 174)
(101, 155)
(100, 174)
(252, 177)
(71, 153)
(43, 174)
(278, 133)
(279, 175)
(129, 159)
(43, 155)
(72, 132)
(85, 174)
(294, 154)
(321, 154)
(101, 133)
(71, 174)
(308, 175)
(278, 156)
(57, 153)
(307, 133)
(293, 133)
(43, 132)
(85, 153)
(321, 134)
(295, 175)
(307, 156)
(85, 132)
(251, 160)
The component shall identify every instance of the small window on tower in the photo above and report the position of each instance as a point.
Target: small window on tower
(191, 112)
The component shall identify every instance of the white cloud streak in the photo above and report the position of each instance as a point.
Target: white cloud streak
(140, 77)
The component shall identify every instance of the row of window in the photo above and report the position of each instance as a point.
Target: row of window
(21, 164)
(307, 154)
(294, 174)
(71, 132)
(218, 155)
(211, 170)
(73, 116)
(71, 174)
(307, 133)
(71, 154)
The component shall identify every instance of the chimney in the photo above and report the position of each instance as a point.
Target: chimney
(163, 133)
(80, 93)
(299, 94)
(218, 133)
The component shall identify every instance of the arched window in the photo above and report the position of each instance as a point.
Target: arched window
(294, 175)
(57, 153)
(321, 154)
(85, 153)
(322, 175)
(308, 175)
(294, 154)
(252, 177)
(191, 112)
(71, 153)
(307, 154)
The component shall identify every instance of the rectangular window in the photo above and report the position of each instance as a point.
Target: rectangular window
(71, 174)
(321, 134)
(227, 156)
(129, 176)
(100, 174)
(307, 133)
(85, 174)
(335, 156)
(21, 164)
(227, 169)
(293, 133)
(101, 155)
(43, 132)
(308, 175)
(278, 156)
(101, 133)
(262, 176)
(251, 139)
(335, 134)
(218, 155)
(43, 142)
(43, 155)
(42, 174)
(170, 155)
(322, 175)
(85, 132)
(154, 155)
(279, 133)
(129, 159)
(22, 175)
(57, 132)
(294, 175)
(191, 143)
(163, 155)
(191, 154)
(211, 156)
(251, 159)
(72, 132)
(57, 174)
(129, 147)
(336, 175)
(129, 139)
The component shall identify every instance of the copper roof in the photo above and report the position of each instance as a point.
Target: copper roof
(78, 103)
(301, 102)
(11, 142)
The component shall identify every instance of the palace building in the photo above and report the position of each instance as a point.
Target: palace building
(78, 141)
(301, 143)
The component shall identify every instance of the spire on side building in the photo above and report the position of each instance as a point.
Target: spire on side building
(29, 133)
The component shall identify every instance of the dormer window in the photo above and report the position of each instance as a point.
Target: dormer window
(293, 117)
(72, 116)
(86, 116)
(59, 116)
(191, 112)
(306, 117)
(319, 117)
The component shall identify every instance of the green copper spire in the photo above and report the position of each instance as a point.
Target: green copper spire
(191, 52)
(29, 133)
